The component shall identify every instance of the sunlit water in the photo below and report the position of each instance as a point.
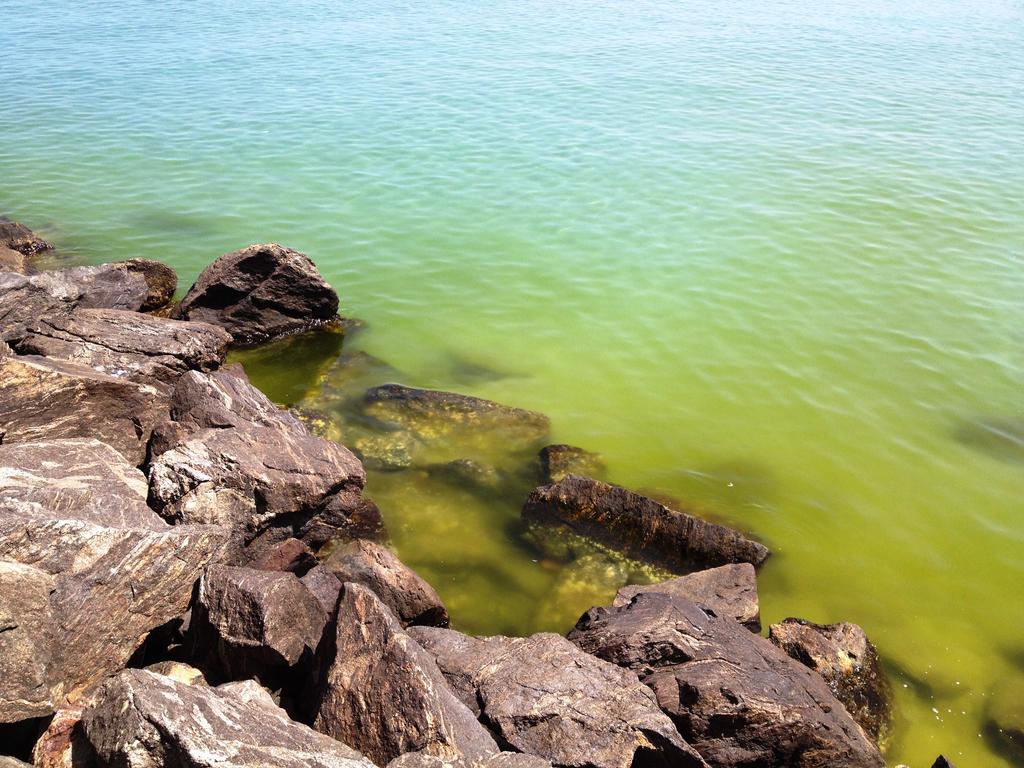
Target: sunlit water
(765, 257)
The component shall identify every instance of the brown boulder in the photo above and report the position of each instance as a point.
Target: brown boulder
(20, 238)
(261, 292)
(500, 760)
(638, 526)
(13, 261)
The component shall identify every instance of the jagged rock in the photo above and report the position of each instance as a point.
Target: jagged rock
(289, 555)
(261, 292)
(729, 590)
(849, 664)
(63, 743)
(24, 299)
(557, 461)
(638, 526)
(324, 586)
(544, 696)
(500, 760)
(43, 399)
(1004, 717)
(127, 344)
(345, 515)
(734, 696)
(20, 238)
(13, 261)
(410, 708)
(142, 720)
(256, 623)
(431, 414)
(161, 282)
(942, 762)
(73, 566)
(397, 585)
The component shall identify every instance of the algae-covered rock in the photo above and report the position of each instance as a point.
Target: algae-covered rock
(557, 461)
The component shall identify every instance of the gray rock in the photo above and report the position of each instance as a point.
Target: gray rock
(20, 238)
(142, 720)
(729, 590)
(43, 399)
(638, 526)
(385, 695)
(397, 585)
(734, 696)
(849, 664)
(557, 461)
(544, 696)
(261, 292)
(127, 344)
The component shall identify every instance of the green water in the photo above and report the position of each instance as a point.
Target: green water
(764, 257)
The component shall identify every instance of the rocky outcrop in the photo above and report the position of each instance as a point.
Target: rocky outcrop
(24, 299)
(557, 461)
(88, 573)
(638, 526)
(397, 585)
(261, 292)
(729, 590)
(20, 238)
(143, 720)
(43, 399)
(127, 344)
(734, 696)
(849, 664)
(256, 623)
(384, 694)
(544, 696)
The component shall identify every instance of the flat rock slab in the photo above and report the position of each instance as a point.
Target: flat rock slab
(43, 399)
(384, 694)
(638, 526)
(734, 696)
(544, 696)
(729, 590)
(397, 585)
(127, 344)
(261, 292)
(144, 720)
(849, 664)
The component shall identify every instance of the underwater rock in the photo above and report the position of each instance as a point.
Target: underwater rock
(589, 579)
(729, 590)
(127, 344)
(384, 694)
(849, 664)
(1004, 718)
(145, 720)
(386, 451)
(295, 366)
(20, 238)
(482, 479)
(13, 261)
(1000, 438)
(261, 292)
(544, 696)
(734, 696)
(397, 585)
(639, 526)
(44, 399)
(557, 461)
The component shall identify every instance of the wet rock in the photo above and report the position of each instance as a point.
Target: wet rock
(261, 292)
(1004, 718)
(72, 566)
(127, 344)
(638, 526)
(257, 623)
(734, 696)
(589, 579)
(13, 261)
(20, 238)
(306, 357)
(544, 696)
(386, 451)
(397, 585)
(43, 399)
(290, 555)
(482, 479)
(144, 720)
(431, 413)
(729, 590)
(411, 708)
(500, 760)
(849, 664)
(557, 461)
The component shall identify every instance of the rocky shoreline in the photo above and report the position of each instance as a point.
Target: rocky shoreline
(190, 575)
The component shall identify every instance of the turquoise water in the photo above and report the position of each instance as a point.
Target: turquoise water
(764, 257)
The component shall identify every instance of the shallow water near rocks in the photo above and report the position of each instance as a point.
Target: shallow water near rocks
(767, 258)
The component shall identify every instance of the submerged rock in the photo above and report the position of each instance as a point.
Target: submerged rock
(20, 238)
(261, 292)
(44, 399)
(397, 585)
(143, 720)
(738, 699)
(1000, 438)
(639, 526)
(384, 694)
(127, 344)
(1004, 717)
(557, 461)
(544, 696)
(729, 590)
(849, 664)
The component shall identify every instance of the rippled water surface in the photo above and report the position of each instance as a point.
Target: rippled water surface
(764, 257)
